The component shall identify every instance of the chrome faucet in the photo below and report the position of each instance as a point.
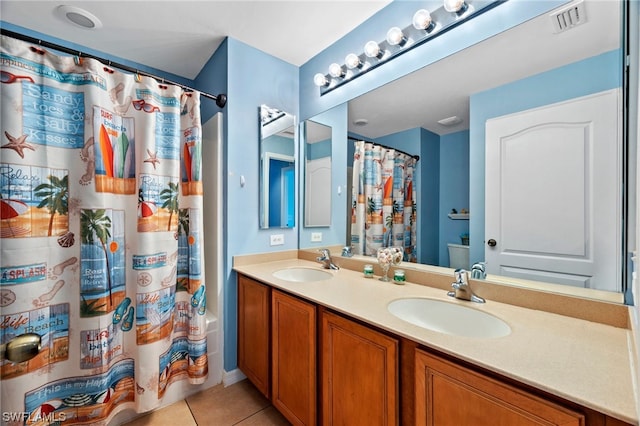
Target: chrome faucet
(325, 259)
(347, 251)
(479, 271)
(462, 289)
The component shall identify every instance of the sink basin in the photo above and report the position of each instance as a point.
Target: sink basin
(448, 318)
(302, 274)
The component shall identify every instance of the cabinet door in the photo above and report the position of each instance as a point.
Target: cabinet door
(293, 358)
(359, 374)
(448, 394)
(254, 314)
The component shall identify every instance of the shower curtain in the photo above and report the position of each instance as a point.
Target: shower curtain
(383, 209)
(101, 238)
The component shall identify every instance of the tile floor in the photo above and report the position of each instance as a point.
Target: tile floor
(238, 404)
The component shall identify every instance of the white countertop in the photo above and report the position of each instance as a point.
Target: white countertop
(581, 361)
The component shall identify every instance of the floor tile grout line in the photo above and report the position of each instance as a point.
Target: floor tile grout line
(251, 415)
(191, 412)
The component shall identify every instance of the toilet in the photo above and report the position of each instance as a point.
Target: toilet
(458, 256)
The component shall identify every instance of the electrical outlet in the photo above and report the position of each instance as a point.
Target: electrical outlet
(277, 239)
(316, 237)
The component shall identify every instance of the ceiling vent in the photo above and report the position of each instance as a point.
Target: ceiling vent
(569, 17)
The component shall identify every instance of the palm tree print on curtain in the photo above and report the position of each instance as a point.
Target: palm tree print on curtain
(34, 200)
(102, 256)
(383, 210)
(184, 239)
(99, 211)
(169, 198)
(55, 197)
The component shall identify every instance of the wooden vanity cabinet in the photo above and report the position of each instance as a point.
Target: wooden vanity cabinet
(254, 315)
(317, 366)
(449, 394)
(359, 374)
(293, 358)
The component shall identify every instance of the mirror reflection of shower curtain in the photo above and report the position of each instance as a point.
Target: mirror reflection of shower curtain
(383, 207)
(101, 237)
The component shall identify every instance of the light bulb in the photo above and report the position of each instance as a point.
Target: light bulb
(320, 80)
(335, 70)
(352, 61)
(422, 21)
(396, 37)
(372, 50)
(455, 6)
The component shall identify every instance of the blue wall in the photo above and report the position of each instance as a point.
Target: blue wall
(595, 74)
(454, 189)
(213, 78)
(429, 197)
(335, 234)
(278, 144)
(254, 78)
(317, 150)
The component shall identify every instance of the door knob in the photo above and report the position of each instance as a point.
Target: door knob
(492, 242)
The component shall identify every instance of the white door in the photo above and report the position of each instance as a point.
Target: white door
(553, 202)
(317, 192)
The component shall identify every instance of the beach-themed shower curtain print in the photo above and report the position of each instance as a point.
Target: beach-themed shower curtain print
(101, 234)
(383, 209)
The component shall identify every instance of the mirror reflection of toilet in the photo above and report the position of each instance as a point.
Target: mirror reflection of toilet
(458, 256)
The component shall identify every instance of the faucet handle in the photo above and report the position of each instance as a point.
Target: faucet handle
(478, 271)
(461, 276)
(347, 251)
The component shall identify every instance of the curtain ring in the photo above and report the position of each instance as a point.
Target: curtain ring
(78, 59)
(138, 77)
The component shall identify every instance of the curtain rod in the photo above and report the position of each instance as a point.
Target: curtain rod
(417, 157)
(221, 99)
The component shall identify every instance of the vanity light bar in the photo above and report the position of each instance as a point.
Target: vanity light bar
(268, 115)
(425, 26)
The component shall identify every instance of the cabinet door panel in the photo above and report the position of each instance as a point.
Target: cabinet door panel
(359, 374)
(448, 394)
(293, 357)
(254, 314)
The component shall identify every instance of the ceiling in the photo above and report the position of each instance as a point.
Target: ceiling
(180, 36)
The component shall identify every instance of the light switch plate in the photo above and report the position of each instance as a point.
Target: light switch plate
(316, 237)
(277, 239)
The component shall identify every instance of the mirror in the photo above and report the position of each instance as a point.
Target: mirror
(277, 168)
(507, 73)
(317, 174)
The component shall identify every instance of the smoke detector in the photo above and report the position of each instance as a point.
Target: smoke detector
(361, 122)
(78, 17)
(569, 17)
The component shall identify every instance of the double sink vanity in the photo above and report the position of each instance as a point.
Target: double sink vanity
(432, 314)
(331, 346)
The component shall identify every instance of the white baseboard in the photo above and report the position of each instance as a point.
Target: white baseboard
(231, 377)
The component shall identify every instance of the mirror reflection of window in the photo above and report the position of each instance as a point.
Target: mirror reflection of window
(277, 168)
